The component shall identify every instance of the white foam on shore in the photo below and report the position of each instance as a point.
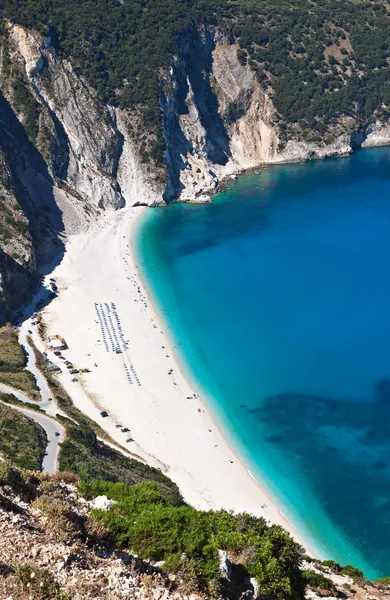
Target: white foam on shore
(169, 430)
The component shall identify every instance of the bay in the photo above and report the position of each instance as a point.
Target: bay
(277, 297)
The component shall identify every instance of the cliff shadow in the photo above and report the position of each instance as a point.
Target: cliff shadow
(196, 51)
(178, 146)
(33, 187)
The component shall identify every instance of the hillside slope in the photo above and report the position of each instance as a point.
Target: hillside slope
(110, 103)
(61, 541)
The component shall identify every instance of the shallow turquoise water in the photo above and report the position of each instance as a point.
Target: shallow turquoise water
(278, 299)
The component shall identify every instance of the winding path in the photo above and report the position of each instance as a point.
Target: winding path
(49, 406)
(47, 403)
(49, 463)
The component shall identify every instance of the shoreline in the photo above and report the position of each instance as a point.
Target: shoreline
(180, 436)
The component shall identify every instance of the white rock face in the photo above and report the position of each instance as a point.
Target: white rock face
(225, 566)
(92, 142)
(217, 122)
(378, 136)
(136, 183)
(255, 587)
(102, 502)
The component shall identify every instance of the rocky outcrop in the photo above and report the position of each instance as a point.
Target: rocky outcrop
(377, 135)
(87, 146)
(70, 156)
(50, 539)
(218, 120)
(17, 255)
(87, 157)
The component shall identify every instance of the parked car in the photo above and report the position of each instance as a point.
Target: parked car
(74, 371)
(74, 379)
(69, 366)
(129, 440)
(67, 362)
(30, 332)
(104, 414)
(57, 434)
(57, 353)
(118, 425)
(125, 430)
(49, 399)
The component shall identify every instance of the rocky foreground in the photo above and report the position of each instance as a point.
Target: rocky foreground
(51, 546)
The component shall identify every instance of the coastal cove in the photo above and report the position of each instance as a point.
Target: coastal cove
(276, 299)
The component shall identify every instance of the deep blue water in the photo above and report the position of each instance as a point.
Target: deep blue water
(278, 298)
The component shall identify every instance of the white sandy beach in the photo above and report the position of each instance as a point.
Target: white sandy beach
(169, 430)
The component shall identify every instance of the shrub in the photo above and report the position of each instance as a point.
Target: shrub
(22, 483)
(61, 520)
(352, 572)
(188, 540)
(317, 580)
(39, 583)
(347, 570)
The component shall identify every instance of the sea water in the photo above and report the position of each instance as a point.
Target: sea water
(277, 296)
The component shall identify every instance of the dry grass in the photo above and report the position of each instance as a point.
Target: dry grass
(13, 362)
(11, 353)
(61, 521)
(21, 380)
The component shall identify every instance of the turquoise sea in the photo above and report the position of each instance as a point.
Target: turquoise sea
(277, 296)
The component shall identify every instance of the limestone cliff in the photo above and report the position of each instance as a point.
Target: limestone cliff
(70, 156)
(218, 120)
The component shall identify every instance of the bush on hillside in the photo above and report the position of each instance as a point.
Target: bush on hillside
(318, 580)
(188, 540)
(347, 570)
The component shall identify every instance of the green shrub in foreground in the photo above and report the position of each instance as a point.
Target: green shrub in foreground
(144, 521)
(318, 580)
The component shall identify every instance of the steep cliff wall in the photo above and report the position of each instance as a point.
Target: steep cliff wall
(86, 145)
(219, 121)
(70, 156)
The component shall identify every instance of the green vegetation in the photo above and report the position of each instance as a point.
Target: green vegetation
(11, 352)
(85, 455)
(323, 60)
(21, 482)
(188, 540)
(383, 580)
(13, 362)
(25, 102)
(347, 570)
(317, 580)
(11, 399)
(21, 439)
